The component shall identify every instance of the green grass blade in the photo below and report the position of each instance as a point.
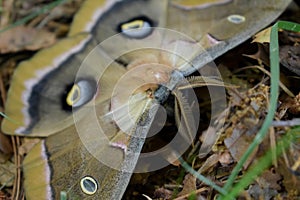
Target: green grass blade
(263, 163)
(289, 26)
(8, 118)
(44, 9)
(63, 195)
(201, 177)
(274, 62)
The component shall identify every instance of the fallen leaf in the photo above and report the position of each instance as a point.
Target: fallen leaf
(263, 36)
(189, 185)
(290, 58)
(208, 139)
(248, 110)
(292, 105)
(162, 193)
(269, 179)
(211, 135)
(4, 195)
(25, 38)
(5, 144)
(225, 158)
(27, 145)
(290, 181)
(209, 163)
(7, 173)
(256, 192)
(237, 145)
(288, 37)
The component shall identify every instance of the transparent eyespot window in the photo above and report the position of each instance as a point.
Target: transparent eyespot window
(88, 185)
(137, 28)
(236, 19)
(81, 93)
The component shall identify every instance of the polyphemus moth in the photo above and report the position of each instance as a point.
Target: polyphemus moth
(94, 94)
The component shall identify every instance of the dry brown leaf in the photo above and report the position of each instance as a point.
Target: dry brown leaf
(256, 192)
(208, 139)
(290, 58)
(7, 173)
(27, 145)
(248, 110)
(211, 135)
(6, 11)
(162, 193)
(225, 158)
(295, 107)
(25, 38)
(4, 195)
(266, 186)
(263, 36)
(291, 104)
(5, 144)
(237, 145)
(289, 37)
(189, 185)
(209, 163)
(269, 180)
(290, 181)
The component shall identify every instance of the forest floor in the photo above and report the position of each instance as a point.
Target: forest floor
(246, 69)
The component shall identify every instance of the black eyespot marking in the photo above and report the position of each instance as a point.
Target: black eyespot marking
(79, 93)
(136, 28)
(88, 185)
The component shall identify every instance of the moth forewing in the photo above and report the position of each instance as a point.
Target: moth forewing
(126, 117)
(222, 31)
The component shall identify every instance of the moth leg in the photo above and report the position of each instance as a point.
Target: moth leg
(184, 118)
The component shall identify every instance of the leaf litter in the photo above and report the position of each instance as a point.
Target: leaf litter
(247, 107)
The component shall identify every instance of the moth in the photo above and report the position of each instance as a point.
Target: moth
(94, 95)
